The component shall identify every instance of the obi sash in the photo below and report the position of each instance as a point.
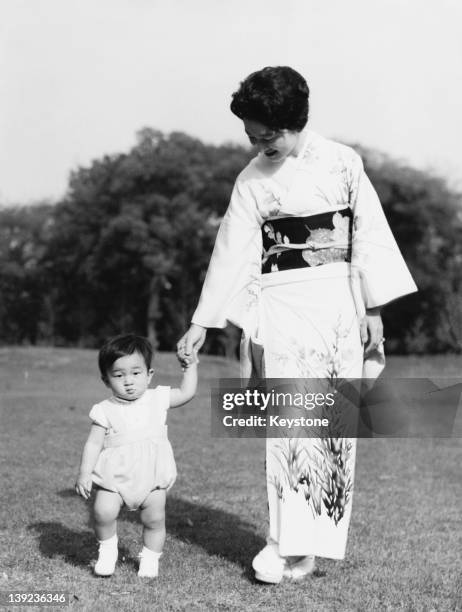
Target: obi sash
(308, 241)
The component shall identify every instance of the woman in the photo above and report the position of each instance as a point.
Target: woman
(303, 262)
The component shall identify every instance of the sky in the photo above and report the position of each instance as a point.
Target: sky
(81, 77)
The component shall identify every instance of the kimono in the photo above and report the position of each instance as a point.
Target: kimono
(303, 249)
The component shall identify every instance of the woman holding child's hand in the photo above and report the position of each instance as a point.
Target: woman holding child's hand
(303, 262)
(191, 343)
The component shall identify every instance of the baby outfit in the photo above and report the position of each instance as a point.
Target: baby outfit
(137, 456)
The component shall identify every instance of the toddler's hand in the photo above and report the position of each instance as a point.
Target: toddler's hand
(186, 362)
(191, 341)
(83, 486)
(183, 358)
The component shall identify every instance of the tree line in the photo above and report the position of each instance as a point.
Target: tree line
(127, 249)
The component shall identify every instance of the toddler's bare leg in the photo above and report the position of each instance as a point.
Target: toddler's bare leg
(153, 519)
(106, 510)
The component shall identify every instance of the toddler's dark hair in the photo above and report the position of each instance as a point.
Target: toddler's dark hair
(119, 346)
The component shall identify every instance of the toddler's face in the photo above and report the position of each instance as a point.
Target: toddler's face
(128, 378)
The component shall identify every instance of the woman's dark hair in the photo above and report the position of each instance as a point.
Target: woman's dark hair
(276, 96)
(119, 346)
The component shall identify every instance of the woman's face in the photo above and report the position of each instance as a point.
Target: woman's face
(275, 145)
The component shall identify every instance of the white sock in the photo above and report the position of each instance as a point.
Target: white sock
(147, 552)
(110, 542)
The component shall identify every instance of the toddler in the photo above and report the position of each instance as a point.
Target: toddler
(127, 454)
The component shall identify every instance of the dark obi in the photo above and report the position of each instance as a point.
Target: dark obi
(301, 242)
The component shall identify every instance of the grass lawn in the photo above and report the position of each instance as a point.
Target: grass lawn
(405, 544)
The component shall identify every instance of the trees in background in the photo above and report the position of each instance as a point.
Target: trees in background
(130, 243)
(24, 295)
(426, 219)
(128, 247)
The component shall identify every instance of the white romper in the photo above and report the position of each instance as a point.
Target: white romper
(137, 456)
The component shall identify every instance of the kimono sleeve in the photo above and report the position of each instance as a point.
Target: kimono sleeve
(97, 416)
(235, 265)
(376, 261)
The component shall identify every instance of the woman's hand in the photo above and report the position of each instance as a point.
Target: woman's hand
(190, 343)
(371, 330)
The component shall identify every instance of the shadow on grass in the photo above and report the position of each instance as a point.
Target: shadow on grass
(67, 493)
(75, 547)
(216, 531)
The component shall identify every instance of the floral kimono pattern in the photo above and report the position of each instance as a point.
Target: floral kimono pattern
(303, 249)
(298, 242)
